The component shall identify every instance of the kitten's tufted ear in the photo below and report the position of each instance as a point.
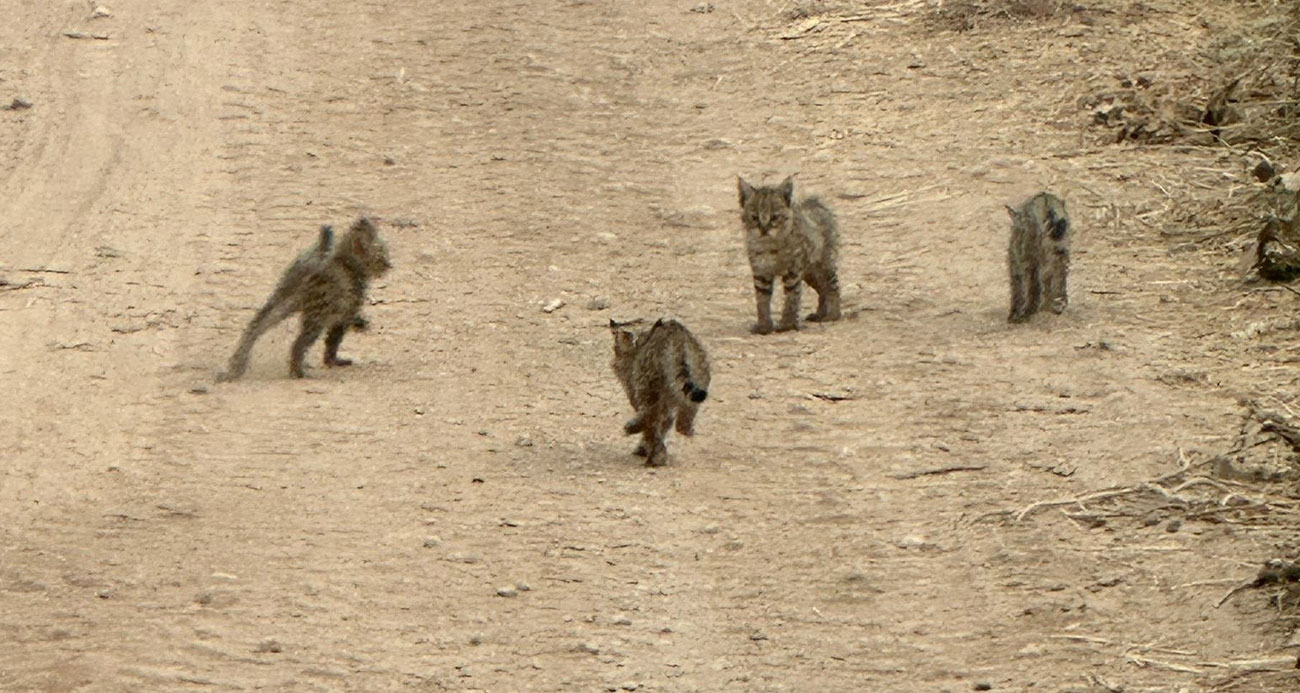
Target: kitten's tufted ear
(746, 191)
(787, 190)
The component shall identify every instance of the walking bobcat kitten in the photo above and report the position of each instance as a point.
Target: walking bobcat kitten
(327, 285)
(1039, 256)
(665, 372)
(796, 241)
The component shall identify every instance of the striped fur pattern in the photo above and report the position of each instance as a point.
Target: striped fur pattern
(795, 241)
(327, 285)
(1039, 256)
(665, 372)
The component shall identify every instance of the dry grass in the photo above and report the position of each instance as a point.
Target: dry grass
(965, 15)
(1250, 97)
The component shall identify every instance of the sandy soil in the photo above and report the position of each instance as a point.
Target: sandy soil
(352, 531)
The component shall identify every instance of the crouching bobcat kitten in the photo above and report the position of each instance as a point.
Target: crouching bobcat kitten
(796, 241)
(665, 372)
(1039, 256)
(327, 284)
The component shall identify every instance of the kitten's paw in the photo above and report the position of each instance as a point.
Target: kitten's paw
(657, 460)
(338, 362)
(1016, 318)
(828, 316)
(787, 327)
(634, 425)
(360, 324)
(640, 451)
(1058, 307)
(761, 328)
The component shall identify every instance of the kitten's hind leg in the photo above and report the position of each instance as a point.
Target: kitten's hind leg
(1019, 298)
(1034, 291)
(1057, 294)
(311, 329)
(635, 424)
(686, 419)
(332, 341)
(827, 285)
(657, 424)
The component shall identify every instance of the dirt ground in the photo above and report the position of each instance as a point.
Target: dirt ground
(357, 530)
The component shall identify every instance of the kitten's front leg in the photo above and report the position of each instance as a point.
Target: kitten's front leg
(793, 285)
(763, 298)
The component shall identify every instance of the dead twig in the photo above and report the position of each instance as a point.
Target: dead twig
(940, 470)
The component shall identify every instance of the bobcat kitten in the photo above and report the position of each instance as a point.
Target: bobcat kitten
(327, 285)
(1039, 256)
(665, 373)
(797, 241)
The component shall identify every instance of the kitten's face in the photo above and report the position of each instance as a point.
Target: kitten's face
(766, 210)
(624, 342)
(624, 339)
(372, 251)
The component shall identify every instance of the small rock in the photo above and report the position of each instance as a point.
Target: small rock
(553, 305)
(19, 104)
(199, 390)
(269, 645)
(1173, 526)
(632, 685)
(507, 592)
(432, 543)
(100, 12)
(1264, 171)
(983, 686)
(523, 442)
(104, 593)
(524, 587)
(589, 648)
(598, 303)
(476, 639)
(702, 8)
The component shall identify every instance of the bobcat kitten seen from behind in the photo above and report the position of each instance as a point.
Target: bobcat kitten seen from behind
(327, 285)
(665, 372)
(1039, 256)
(796, 241)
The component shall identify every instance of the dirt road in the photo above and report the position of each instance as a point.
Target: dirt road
(356, 530)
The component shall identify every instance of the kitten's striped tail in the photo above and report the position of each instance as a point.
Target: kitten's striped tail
(694, 383)
(694, 392)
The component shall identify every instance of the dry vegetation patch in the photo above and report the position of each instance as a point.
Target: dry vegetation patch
(966, 15)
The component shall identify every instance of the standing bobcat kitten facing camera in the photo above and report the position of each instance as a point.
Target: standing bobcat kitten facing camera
(665, 373)
(796, 241)
(1039, 256)
(327, 285)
